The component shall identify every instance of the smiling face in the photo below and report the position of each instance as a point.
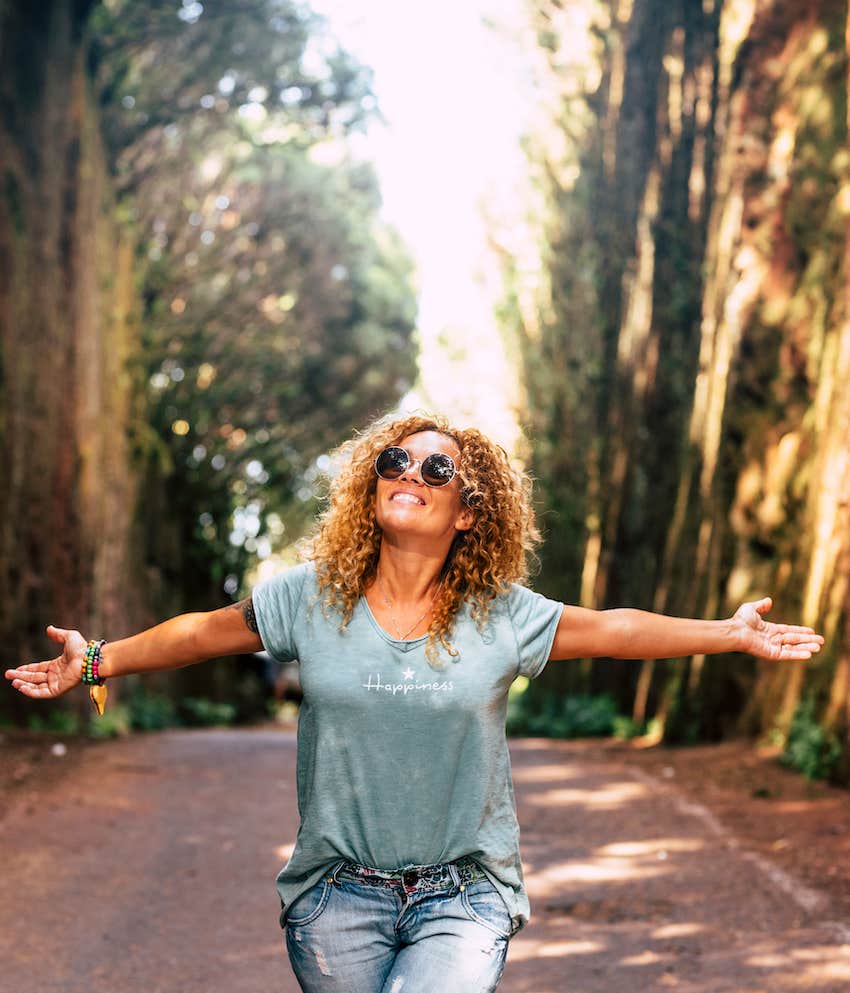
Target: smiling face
(407, 508)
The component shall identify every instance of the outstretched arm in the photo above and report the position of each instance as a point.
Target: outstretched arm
(180, 641)
(639, 634)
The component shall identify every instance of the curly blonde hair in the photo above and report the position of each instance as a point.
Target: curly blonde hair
(482, 562)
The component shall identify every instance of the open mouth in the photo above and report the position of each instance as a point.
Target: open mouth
(405, 496)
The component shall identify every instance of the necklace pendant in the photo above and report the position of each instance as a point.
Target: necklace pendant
(389, 605)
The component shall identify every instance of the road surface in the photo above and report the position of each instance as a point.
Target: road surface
(149, 868)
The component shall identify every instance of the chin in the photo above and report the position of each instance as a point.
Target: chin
(406, 519)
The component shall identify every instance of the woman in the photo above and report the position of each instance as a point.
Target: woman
(410, 625)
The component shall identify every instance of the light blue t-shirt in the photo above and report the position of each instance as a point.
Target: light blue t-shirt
(401, 764)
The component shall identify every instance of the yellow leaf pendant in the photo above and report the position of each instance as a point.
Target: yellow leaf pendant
(98, 698)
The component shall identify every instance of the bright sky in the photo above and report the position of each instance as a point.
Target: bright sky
(456, 100)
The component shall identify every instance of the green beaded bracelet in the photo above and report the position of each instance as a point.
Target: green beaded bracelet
(91, 664)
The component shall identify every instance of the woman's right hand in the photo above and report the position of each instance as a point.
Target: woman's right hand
(42, 680)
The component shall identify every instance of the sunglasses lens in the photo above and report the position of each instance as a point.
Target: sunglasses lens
(391, 463)
(438, 469)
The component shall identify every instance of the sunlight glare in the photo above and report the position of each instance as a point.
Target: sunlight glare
(593, 871)
(532, 950)
(449, 153)
(635, 849)
(677, 931)
(609, 797)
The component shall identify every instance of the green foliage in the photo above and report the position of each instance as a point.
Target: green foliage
(144, 710)
(115, 722)
(811, 748)
(200, 712)
(139, 710)
(279, 311)
(571, 715)
(563, 716)
(149, 711)
(55, 721)
(155, 64)
(627, 727)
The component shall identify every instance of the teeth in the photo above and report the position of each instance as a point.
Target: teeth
(408, 498)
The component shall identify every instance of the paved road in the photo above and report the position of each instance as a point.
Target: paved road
(150, 868)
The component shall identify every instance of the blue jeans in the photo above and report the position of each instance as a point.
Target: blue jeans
(397, 934)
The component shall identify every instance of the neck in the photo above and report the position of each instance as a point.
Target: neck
(408, 576)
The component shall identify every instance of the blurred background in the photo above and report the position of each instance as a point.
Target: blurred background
(611, 233)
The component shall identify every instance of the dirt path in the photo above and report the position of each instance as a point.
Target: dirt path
(148, 867)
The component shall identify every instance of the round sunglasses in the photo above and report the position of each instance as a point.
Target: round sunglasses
(436, 469)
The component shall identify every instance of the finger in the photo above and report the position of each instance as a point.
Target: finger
(801, 638)
(27, 675)
(791, 649)
(39, 691)
(33, 666)
(805, 639)
(807, 633)
(57, 634)
(764, 605)
(795, 654)
(794, 629)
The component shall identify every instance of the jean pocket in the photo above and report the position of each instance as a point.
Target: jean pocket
(307, 907)
(484, 905)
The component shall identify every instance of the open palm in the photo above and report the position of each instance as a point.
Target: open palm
(777, 642)
(54, 677)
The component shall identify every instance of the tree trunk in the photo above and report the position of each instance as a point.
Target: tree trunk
(68, 325)
(704, 226)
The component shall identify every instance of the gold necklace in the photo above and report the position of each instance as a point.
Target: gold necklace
(389, 605)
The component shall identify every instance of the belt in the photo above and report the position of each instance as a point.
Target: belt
(414, 878)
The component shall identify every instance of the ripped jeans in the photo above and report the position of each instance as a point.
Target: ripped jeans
(429, 928)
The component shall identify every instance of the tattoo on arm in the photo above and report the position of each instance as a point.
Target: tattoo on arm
(249, 615)
(247, 609)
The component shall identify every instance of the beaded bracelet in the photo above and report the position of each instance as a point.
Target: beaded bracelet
(91, 664)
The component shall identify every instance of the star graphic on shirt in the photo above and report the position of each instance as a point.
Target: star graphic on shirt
(408, 673)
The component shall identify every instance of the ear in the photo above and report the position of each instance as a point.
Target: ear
(465, 519)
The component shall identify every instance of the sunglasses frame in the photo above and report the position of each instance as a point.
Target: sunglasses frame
(411, 462)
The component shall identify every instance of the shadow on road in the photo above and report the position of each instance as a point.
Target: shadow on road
(149, 868)
(633, 889)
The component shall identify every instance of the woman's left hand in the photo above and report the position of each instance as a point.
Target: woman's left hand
(777, 642)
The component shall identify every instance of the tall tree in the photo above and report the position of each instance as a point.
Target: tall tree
(689, 412)
(199, 298)
(68, 324)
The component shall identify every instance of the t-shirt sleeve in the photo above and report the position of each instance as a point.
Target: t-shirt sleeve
(276, 603)
(535, 621)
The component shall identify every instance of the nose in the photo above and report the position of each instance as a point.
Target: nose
(412, 472)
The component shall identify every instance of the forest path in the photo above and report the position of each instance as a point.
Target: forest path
(148, 867)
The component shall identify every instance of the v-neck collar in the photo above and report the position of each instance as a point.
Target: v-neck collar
(403, 645)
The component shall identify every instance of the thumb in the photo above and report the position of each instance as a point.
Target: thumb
(763, 606)
(57, 634)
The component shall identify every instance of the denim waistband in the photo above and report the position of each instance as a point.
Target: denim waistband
(413, 878)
